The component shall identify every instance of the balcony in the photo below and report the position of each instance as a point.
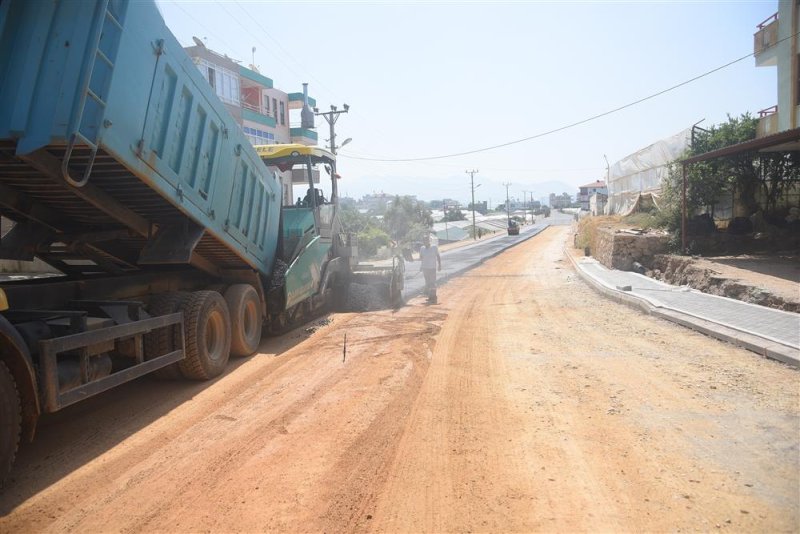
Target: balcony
(303, 136)
(296, 101)
(767, 122)
(764, 41)
(253, 113)
(256, 77)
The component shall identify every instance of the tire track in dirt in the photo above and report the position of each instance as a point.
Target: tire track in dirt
(212, 463)
(548, 408)
(523, 402)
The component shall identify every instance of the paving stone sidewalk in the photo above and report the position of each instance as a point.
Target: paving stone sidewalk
(753, 321)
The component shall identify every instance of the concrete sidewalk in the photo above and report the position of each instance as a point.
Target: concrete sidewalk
(767, 331)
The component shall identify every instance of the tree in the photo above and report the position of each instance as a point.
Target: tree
(709, 180)
(407, 219)
(779, 172)
(367, 228)
(354, 221)
(454, 215)
(742, 174)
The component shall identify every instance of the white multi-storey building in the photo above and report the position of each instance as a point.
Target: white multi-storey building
(262, 111)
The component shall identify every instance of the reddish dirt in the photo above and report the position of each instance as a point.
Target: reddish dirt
(772, 281)
(523, 402)
(779, 275)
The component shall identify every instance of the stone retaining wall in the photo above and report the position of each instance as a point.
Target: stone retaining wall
(618, 250)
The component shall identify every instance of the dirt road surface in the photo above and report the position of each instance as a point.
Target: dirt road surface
(522, 402)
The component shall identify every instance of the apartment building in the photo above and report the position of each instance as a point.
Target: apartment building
(267, 115)
(563, 200)
(585, 192)
(776, 45)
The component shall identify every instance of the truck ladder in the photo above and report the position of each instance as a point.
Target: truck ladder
(94, 85)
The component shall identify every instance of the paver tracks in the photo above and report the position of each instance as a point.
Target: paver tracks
(523, 402)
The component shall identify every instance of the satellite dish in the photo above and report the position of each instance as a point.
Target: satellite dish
(198, 42)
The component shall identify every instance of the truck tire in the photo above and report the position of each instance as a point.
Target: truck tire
(10, 421)
(163, 340)
(246, 321)
(207, 331)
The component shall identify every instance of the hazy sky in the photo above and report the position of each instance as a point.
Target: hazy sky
(435, 78)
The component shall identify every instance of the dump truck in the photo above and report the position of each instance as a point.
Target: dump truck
(122, 170)
(513, 227)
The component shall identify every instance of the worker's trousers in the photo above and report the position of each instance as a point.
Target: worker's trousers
(430, 283)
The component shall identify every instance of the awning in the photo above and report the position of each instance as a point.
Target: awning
(288, 155)
(790, 138)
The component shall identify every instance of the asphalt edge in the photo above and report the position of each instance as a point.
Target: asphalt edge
(762, 347)
(445, 278)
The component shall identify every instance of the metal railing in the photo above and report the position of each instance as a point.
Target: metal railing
(253, 107)
(772, 18)
(767, 34)
(766, 112)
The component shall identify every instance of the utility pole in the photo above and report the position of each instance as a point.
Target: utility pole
(331, 117)
(508, 206)
(524, 202)
(444, 209)
(530, 205)
(472, 184)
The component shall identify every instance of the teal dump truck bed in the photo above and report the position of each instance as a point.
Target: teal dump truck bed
(115, 153)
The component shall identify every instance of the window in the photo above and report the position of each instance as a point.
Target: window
(266, 104)
(283, 114)
(224, 82)
(211, 77)
(275, 108)
(258, 137)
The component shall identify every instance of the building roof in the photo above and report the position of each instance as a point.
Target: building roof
(596, 183)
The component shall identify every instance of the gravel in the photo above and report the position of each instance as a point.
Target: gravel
(363, 297)
(278, 274)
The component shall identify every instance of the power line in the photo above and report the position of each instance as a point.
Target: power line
(366, 157)
(324, 87)
(574, 124)
(199, 23)
(255, 19)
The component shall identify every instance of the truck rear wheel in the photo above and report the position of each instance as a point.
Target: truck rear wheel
(10, 421)
(207, 330)
(245, 309)
(164, 340)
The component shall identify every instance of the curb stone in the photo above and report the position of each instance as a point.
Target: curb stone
(764, 347)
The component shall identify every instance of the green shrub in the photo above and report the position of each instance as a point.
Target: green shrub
(370, 240)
